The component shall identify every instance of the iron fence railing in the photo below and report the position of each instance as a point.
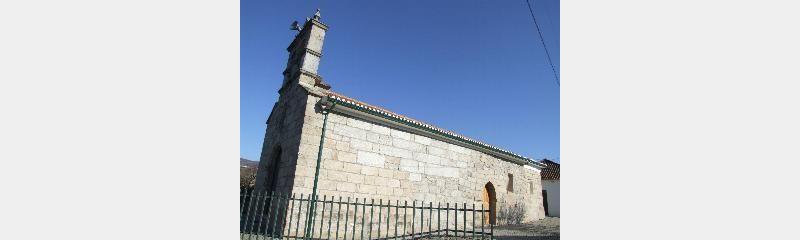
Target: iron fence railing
(283, 216)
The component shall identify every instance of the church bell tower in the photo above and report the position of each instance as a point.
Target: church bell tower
(305, 53)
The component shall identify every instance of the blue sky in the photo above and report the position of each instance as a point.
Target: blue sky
(474, 67)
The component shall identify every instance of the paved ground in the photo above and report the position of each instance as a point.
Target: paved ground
(545, 229)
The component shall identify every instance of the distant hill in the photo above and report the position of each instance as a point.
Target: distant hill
(247, 163)
(247, 173)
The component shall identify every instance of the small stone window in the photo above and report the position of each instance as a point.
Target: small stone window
(532, 188)
(510, 182)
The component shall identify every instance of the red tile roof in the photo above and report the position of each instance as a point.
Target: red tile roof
(551, 171)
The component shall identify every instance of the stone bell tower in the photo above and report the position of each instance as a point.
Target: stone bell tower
(305, 53)
(301, 84)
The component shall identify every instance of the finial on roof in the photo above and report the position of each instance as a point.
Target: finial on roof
(316, 15)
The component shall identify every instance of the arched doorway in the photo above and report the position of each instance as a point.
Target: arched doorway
(490, 203)
(272, 171)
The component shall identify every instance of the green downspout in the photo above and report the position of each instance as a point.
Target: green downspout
(325, 110)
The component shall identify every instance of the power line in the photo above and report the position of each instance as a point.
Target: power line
(558, 81)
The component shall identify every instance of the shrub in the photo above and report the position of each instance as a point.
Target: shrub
(511, 214)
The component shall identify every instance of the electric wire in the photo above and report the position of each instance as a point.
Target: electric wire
(549, 60)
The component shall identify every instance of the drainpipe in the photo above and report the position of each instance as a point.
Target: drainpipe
(325, 105)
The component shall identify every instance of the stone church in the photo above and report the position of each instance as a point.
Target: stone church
(371, 152)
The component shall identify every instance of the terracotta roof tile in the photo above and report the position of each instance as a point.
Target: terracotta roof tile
(551, 171)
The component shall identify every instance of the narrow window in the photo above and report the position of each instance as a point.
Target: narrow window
(531, 183)
(510, 182)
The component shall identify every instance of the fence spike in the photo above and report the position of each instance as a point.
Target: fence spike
(299, 214)
(380, 216)
(447, 220)
(363, 214)
(413, 218)
(464, 210)
(322, 218)
(338, 215)
(473, 220)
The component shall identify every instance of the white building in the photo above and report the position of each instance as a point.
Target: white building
(550, 186)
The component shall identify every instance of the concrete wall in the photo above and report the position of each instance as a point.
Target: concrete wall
(553, 197)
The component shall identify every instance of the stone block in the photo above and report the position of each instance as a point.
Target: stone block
(398, 191)
(368, 189)
(346, 157)
(400, 143)
(336, 176)
(327, 185)
(409, 165)
(427, 158)
(369, 171)
(393, 183)
(355, 177)
(422, 140)
(400, 134)
(370, 159)
(373, 137)
(387, 173)
(381, 130)
(442, 171)
(386, 191)
(361, 145)
(396, 152)
(348, 131)
(416, 177)
(400, 175)
(358, 124)
(346, 187)
(437, 151)
(342, 146)
(333, 165)
(352, 168)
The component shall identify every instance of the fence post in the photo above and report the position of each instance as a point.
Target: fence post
(331, 217)
(405, 217)
(347, 216)
(388, 216)
(322, 218)
(299, 213)
(249, 206)
(447, 220)
(371, 216)
(465, 219)
(380, 216)
(473, 220)
(396, 216)
(266, 209)
(455, 220)
(291, 214)
(483, 232)
(422, 217)
(439, 218)
(413, 217)
(430, 215)
(363, 216)
(277, 228)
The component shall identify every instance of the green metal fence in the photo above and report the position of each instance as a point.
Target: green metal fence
(283, 216)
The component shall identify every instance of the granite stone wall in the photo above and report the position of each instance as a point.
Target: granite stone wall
(366, 160)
